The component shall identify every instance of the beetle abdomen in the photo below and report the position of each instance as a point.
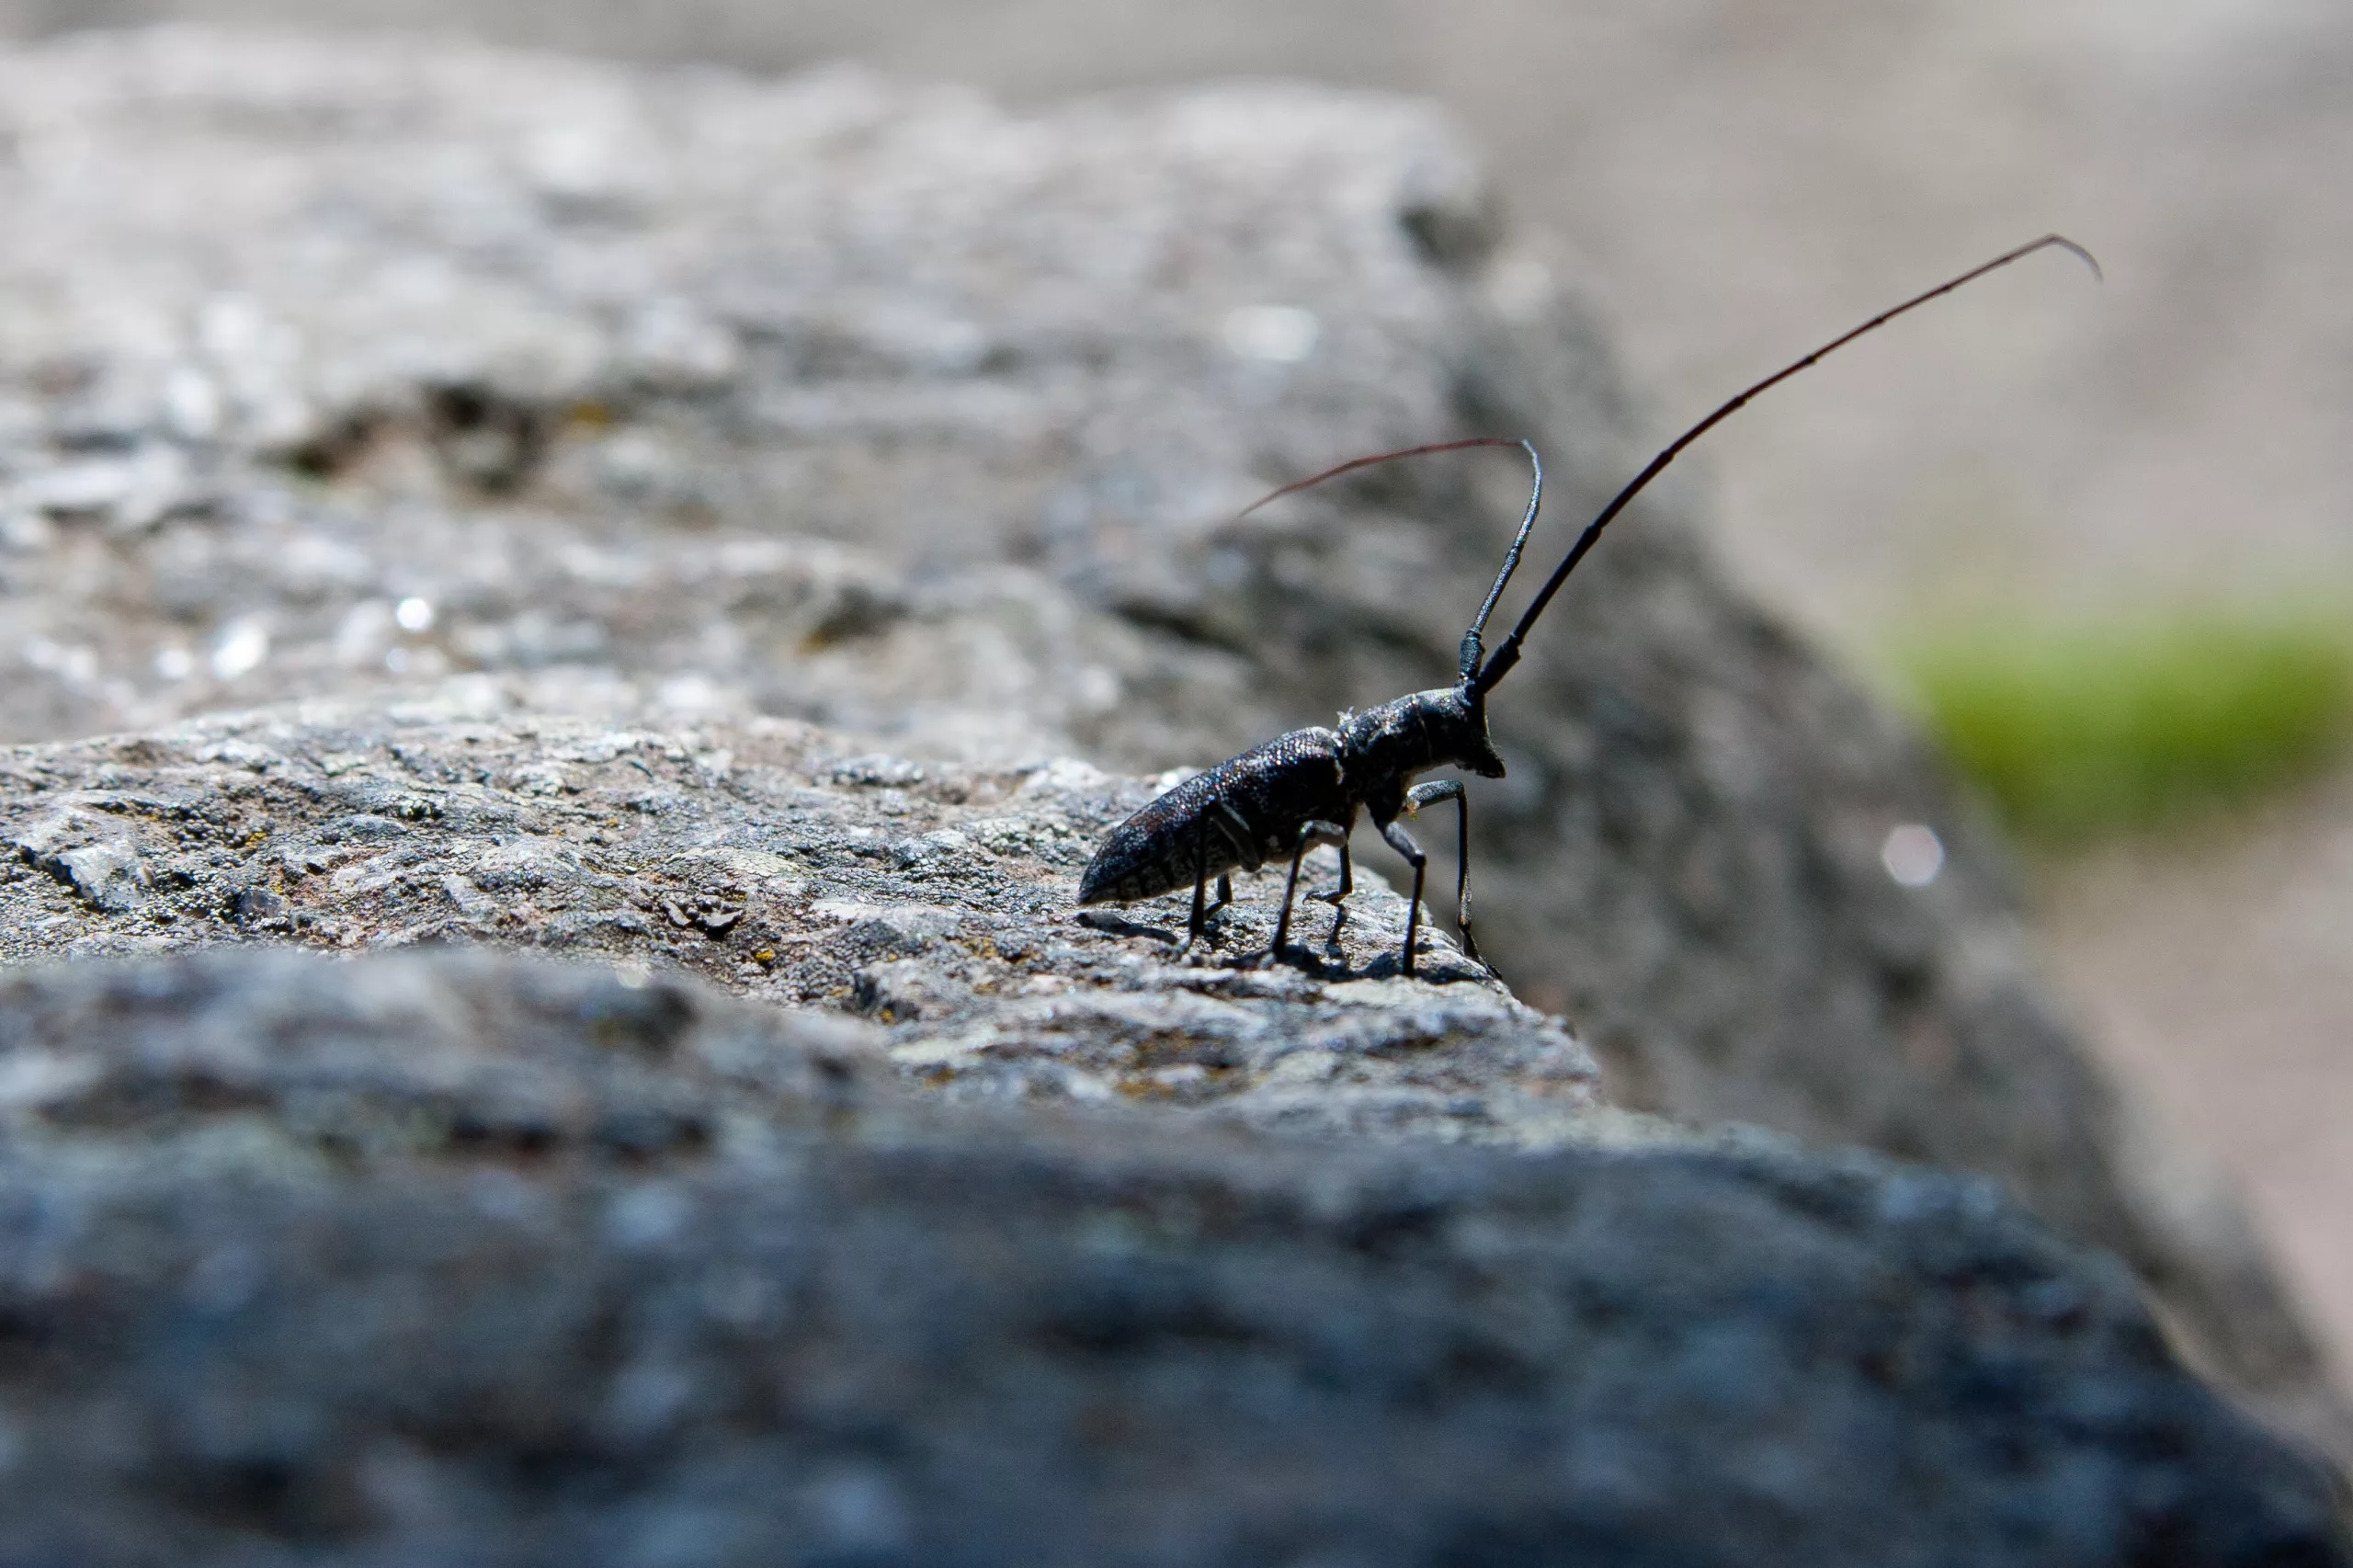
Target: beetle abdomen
(1157, 849)
(1241, 812)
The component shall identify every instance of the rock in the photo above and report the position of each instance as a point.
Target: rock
(788, 864)
(683, 396)
(445, 1255)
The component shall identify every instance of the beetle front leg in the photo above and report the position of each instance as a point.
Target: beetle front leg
(1403, 842)
(1422, 795)
(1310, 834)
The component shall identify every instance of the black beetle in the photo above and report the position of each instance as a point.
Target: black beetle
(1305, 788)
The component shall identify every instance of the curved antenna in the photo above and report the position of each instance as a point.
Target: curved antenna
(1471, 643)
(1507, 653)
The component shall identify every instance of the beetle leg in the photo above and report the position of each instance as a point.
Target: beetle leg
(1224, 895)
(1200, 887)
(1348, 885)
(1239, 833)
(1310, 834)
(1429, 795)
(1334, 895)
(1403, 842)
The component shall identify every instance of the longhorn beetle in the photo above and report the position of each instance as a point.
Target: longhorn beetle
(1305, 788)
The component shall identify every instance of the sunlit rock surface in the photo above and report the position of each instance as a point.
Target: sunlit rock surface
(784, 863)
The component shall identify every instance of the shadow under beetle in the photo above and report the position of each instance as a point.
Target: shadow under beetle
(1305, 788)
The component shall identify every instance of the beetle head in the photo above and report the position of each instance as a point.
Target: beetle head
(1475, 753)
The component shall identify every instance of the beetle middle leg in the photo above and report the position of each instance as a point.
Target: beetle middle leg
(1347, 883)
(1422, 795)
(1403, 842)
(1336, 895)
(1310, 834)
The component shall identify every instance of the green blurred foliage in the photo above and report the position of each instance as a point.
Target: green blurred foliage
(2080, 732)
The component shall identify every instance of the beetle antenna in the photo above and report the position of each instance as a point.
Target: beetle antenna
(1471, 644)
(1507, 653)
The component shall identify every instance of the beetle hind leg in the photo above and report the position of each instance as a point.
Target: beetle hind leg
(1199, 920)
(1310, 834)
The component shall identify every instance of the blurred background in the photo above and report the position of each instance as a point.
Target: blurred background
(2101, 539)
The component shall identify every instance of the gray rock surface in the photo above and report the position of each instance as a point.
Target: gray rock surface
(457, 1257)
(781, 862)
(687, 397)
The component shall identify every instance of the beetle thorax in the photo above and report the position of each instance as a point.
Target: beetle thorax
(1445, 728)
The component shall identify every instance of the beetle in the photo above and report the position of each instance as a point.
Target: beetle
(1305, 788)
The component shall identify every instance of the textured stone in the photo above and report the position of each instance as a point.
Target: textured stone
(783, 862)
(455, 1257)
